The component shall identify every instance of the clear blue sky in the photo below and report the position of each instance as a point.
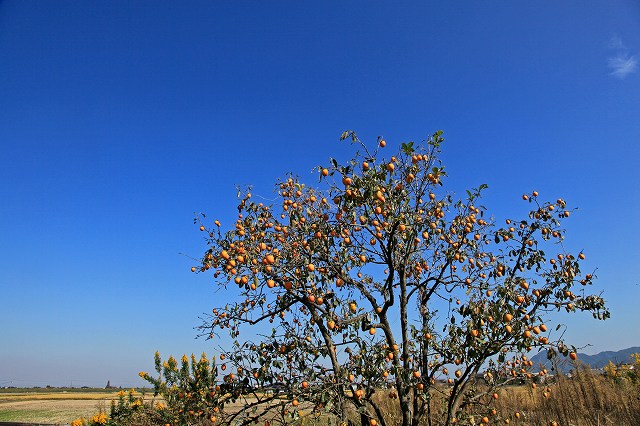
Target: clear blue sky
(118, 120)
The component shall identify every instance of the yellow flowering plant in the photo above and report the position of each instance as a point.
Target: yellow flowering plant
(190, 390)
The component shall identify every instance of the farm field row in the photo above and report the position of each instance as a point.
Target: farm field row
(52, 405)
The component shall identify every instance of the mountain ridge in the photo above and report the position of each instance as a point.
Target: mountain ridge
(596, 361)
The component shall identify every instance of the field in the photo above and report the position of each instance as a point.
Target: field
(584, 399)
(56, 406)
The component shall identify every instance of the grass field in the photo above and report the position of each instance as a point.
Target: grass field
(585, 399)
(56, 406)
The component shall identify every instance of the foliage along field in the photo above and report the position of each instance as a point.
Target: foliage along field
(585, 398)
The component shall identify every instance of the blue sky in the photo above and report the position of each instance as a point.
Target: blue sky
(119, 120)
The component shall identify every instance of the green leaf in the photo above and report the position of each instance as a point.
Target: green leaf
(407, 148)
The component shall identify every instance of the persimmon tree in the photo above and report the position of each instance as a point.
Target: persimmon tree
(375, 297)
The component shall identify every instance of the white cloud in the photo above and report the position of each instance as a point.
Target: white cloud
(622, 65)
(616, 43)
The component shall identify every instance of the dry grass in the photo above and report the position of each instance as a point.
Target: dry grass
(43, 406)
(584, 399)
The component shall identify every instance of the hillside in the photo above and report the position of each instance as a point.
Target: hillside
(598, 360)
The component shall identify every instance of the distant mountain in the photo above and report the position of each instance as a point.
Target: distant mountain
(598, 360)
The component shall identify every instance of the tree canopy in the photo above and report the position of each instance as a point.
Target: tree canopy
(389, 301)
